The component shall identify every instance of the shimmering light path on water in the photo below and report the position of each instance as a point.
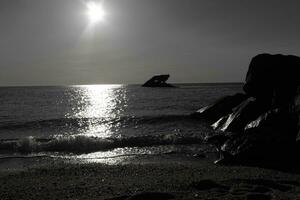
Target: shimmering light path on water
(97, 103)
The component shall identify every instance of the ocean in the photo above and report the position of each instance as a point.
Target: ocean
(103, 123)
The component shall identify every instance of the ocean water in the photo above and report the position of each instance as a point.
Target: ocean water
(103, 123)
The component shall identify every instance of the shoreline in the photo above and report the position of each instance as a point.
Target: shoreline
(192, 178)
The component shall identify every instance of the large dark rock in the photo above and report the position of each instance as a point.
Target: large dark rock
(158, 81)
(265, 123)
(295, 106)
(220, 108)
(244, 113)
(269, 137)
(282, 119)
(273, 78)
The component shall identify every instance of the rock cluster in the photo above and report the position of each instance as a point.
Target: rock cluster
(263, 123)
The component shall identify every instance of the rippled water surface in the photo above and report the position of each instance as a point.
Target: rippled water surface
(99, 121)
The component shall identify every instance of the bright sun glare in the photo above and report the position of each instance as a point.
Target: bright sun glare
(95, 12)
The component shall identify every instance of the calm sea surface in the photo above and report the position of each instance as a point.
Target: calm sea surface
(103, 121)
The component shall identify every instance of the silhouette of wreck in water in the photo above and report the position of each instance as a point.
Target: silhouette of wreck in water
(158, 81)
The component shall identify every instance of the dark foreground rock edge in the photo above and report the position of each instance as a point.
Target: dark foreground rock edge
(263, 123)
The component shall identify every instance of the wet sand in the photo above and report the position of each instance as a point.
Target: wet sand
(196, 178)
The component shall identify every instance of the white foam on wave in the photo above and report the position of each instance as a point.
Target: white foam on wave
(82, 144)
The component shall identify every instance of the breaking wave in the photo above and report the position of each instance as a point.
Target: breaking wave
(84, 144)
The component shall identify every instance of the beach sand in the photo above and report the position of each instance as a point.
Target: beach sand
(194, 178)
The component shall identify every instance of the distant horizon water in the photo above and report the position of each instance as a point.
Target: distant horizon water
(135, 84)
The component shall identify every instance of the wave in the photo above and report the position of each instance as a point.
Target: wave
(83, 144)
(25, 157)
(83, 122)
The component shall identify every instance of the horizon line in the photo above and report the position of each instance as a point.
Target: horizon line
(72, 85)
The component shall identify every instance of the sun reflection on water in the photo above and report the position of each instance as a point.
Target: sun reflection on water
(99, 101)
(96, 106)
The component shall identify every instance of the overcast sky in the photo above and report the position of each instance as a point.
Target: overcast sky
(51, 42)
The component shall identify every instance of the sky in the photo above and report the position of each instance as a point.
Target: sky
(52, 42)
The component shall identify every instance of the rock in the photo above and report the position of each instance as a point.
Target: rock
(244, 113)
(297, 147)
(158, 81)
(220, 108)
(217, 140)
(282, 119)
(296, 108)
(270, 136)
(273, 78)
(218, 124)
(264, 123)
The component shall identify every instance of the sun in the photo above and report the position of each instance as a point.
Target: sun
(95, 12)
